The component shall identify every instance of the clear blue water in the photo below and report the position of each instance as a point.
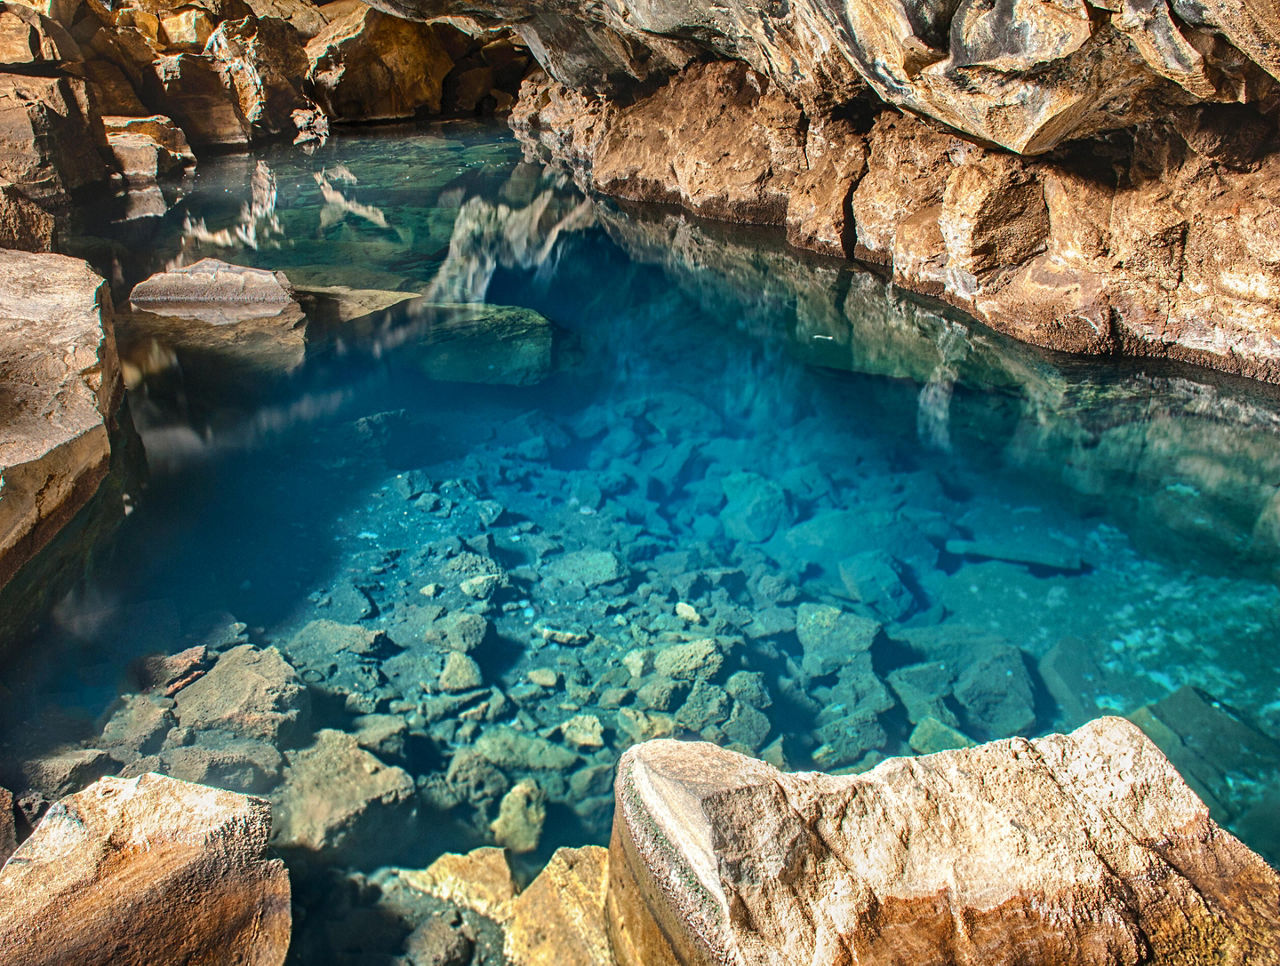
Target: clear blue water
(715, 439)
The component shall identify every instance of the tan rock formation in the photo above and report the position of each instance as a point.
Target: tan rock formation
(61, 386)
(52, 144)
(266, 64)
(249, 692)
(367, 65)
(24, 225)
(147, 149)
(147, 871)
(1080, 848)
(559, 918)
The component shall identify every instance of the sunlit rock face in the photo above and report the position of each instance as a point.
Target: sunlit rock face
(1080, 848)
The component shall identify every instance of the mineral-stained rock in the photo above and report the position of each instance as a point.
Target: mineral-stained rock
(60, 385)
(96, 882)
(64, 770)
(219, 759)
(137, 727)
(367, 65)
(335, 793)
(1080, 848)
(250, 692)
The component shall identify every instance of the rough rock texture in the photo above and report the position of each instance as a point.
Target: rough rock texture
(8, 836)
(250, 693)
(1026, 76)
(266, 63)
(366, 65)
(24, 225)
(1080, 848)
(60, 387)
(149, 871)
(559, 918)
(334, 791)
(52, 143)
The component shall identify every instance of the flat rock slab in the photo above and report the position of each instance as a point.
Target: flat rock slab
(59, 388)
(1085, 848)
(148, 870)
(215, 292)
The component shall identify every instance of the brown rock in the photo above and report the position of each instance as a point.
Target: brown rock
(266, 63)
(96, 882)
(304, 17)
(29, 40)
(249, 692)
(335, 793)
(560, 917)
(24, 225)
(58, 404)
(8, 834)
(170, 673)
(147, 149)
(1081, 848)
(521, 815)
(200, 96)
(51, 142)
(367, 65)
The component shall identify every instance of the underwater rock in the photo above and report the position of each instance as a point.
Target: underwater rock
(65, 770)
(61, 387)
(507, 748)
(521, 815)
(336, 794)
(590, 568)
(931, 735)
(8, 833)
(1042, 848)
(460, 631)
(694, 661)
(138, 727)
(756, 507)
(487, 344)
(874, 578)
(560, 916)
(439, 942)
(460, 673)
(249, 692)
(1215, 751)
(480, 879)
(923, 690)
(216, 758)
(832, 638)
(366, 65)
(997, 694)
(95, 883)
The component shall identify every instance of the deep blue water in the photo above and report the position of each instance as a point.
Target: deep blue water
(709, 420)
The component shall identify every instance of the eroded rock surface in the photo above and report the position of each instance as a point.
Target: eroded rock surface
(60, 386)
(1080, 848)
(100, 878)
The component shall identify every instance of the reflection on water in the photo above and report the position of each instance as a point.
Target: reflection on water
(556, 477)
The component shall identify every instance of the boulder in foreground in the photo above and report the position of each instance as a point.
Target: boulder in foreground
(60, 386)
(1085, 848)
(148, 870)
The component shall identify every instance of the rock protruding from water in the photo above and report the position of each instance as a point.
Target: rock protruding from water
(1079, 848)
(60, 386)
(147, 870)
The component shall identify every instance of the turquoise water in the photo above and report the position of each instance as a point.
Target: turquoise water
(693, 483)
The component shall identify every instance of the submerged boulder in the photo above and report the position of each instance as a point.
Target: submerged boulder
(151, 871)
(1080, 848)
